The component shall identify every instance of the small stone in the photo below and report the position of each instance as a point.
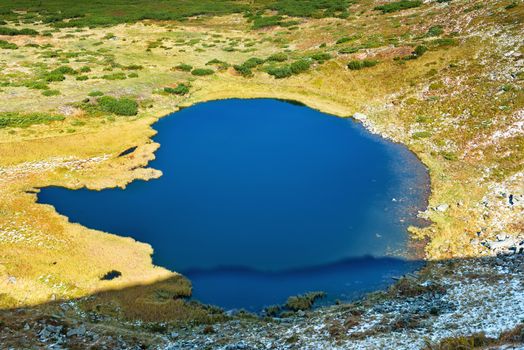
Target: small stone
(442, 207)
(80, 331)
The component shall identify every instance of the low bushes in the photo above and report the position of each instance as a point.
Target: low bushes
(343, 40)
(299, 66)
(435, 31)
(398, 6)
(357, 65)
(6, 45)
(420, 135)
(115, 76)
(286, 71)
(181, 89)
(253, 62)
(14, 31)
(18, 120)
(321, 57)
(123, 106)
(277, 57)
(348, 50)
(303, 302)
(36, 85)
(420, 50)
(202, 71)
(53, 76)
(133, 67)
(265, 21)
(63, 70)
(280, 72)
(243, 70)
(50, 93)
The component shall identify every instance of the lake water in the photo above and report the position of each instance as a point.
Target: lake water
(262, 199)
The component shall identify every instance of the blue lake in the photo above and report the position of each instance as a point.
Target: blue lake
(262, 199)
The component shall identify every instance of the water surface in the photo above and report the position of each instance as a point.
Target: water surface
(260, 199)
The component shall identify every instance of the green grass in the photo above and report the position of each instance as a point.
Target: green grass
(19, 120)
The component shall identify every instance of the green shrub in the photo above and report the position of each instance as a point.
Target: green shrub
(435, 31)
(243, 70)
(442, 42)
(420, 50)
(266, 21)
(37, 85)
(184, 67)
(253, 62)
(357, 65)
(303, 302)
(277, 57)
(398, 6)
(420, 135)
(85, 69)
(123, 106)
(7, 45)
(115, 76)
(82, 77)
(300, 66)
(50, 92)
(280, 72)
(64, 70)
(214, 61)
(14, 31)
(133, 67)
(449, 155)
(181, 89)
(349, 50)
(53, 76)
(18, 120)
(321, 57)
(202, 71)
(272, 311)
(311, 8)
(343, 40)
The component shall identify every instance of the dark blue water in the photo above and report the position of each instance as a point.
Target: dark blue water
(262, 199)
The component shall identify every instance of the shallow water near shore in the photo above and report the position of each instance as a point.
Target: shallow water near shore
(262, 199)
